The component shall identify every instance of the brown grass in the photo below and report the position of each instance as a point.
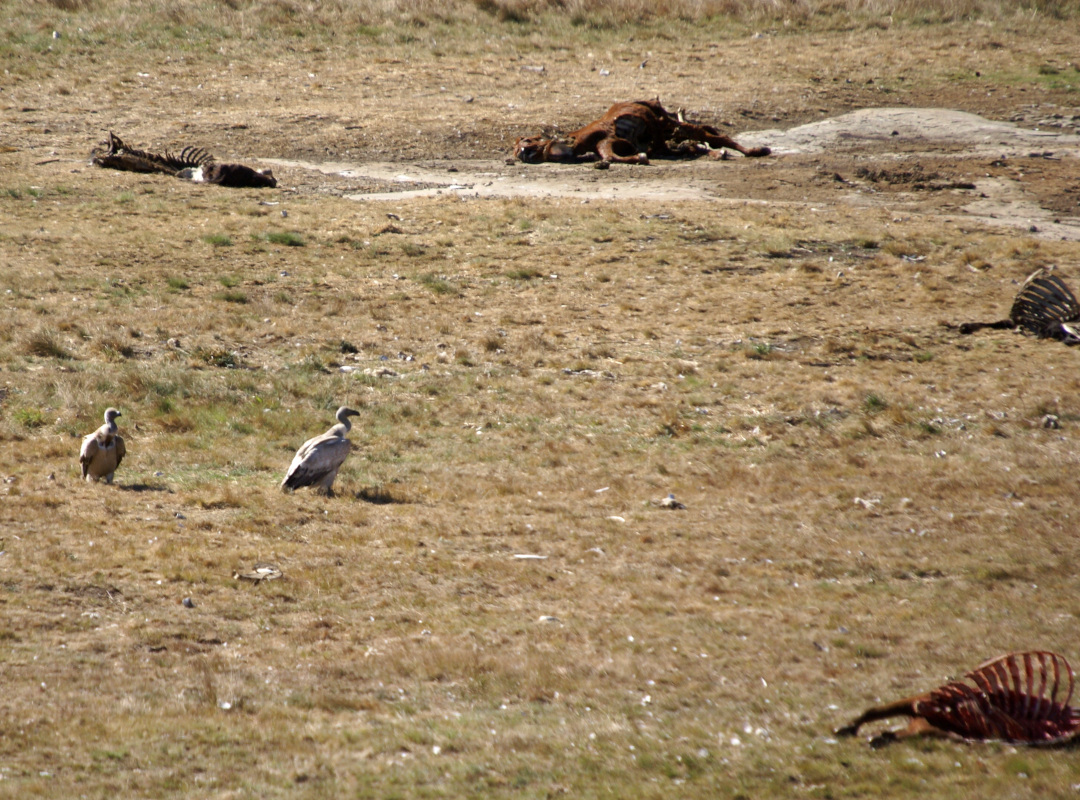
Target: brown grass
(872, 502)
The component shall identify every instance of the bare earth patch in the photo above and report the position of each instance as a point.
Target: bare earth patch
(930, 160)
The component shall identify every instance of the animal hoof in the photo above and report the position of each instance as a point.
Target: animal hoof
(758, 152)
(602, 165)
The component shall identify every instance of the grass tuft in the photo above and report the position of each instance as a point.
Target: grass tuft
(217, 357)
(435, 283)
(874, 404)
(45, 343)
(231, 296)
(524, 273)
(287, 238)
(31, 418)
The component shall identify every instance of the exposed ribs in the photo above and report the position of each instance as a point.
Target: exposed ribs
(1021, 698)
(120, 155)
(192, 163)
(1044, 306)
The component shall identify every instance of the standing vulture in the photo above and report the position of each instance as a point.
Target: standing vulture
(103, 450)
(318, 460)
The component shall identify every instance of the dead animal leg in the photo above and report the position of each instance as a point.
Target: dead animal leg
(619, 151)
(971, 327)
(901, 708)
(714, 138)
(917, 727)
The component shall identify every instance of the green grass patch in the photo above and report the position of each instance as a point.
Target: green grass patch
(288, 238)
(31, 418)
(435, 283)
(232, 296)
(874, 404)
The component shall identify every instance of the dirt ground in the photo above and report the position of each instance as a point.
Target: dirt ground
(495, 603)
(890, 117)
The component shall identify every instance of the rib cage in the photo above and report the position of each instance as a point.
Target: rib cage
(1020, 697)
(189, 157)
(1044, 306)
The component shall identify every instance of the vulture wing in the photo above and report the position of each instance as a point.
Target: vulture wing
(316, 461)
(88, 453)
(121, 451)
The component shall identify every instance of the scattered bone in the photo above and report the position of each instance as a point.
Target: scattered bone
(259, 573)
(670, 502)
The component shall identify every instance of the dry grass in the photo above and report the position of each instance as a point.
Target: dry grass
(368, 14)
(873, 504)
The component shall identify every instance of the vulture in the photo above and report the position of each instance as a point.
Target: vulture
(318, 460)
(1043, 306)
(103, 450)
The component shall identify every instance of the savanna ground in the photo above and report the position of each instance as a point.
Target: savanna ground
(873, 502)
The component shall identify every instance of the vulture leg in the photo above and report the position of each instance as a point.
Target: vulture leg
(326, 485)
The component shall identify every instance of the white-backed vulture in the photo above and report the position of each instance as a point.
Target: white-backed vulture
(103, 450)
(318, 460)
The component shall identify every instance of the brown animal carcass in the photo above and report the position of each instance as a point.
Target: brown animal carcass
(630, 133)
(1021, 698)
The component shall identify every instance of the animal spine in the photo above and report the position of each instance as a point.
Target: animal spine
(1021, 698)
(193, 163)
(120, 155)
